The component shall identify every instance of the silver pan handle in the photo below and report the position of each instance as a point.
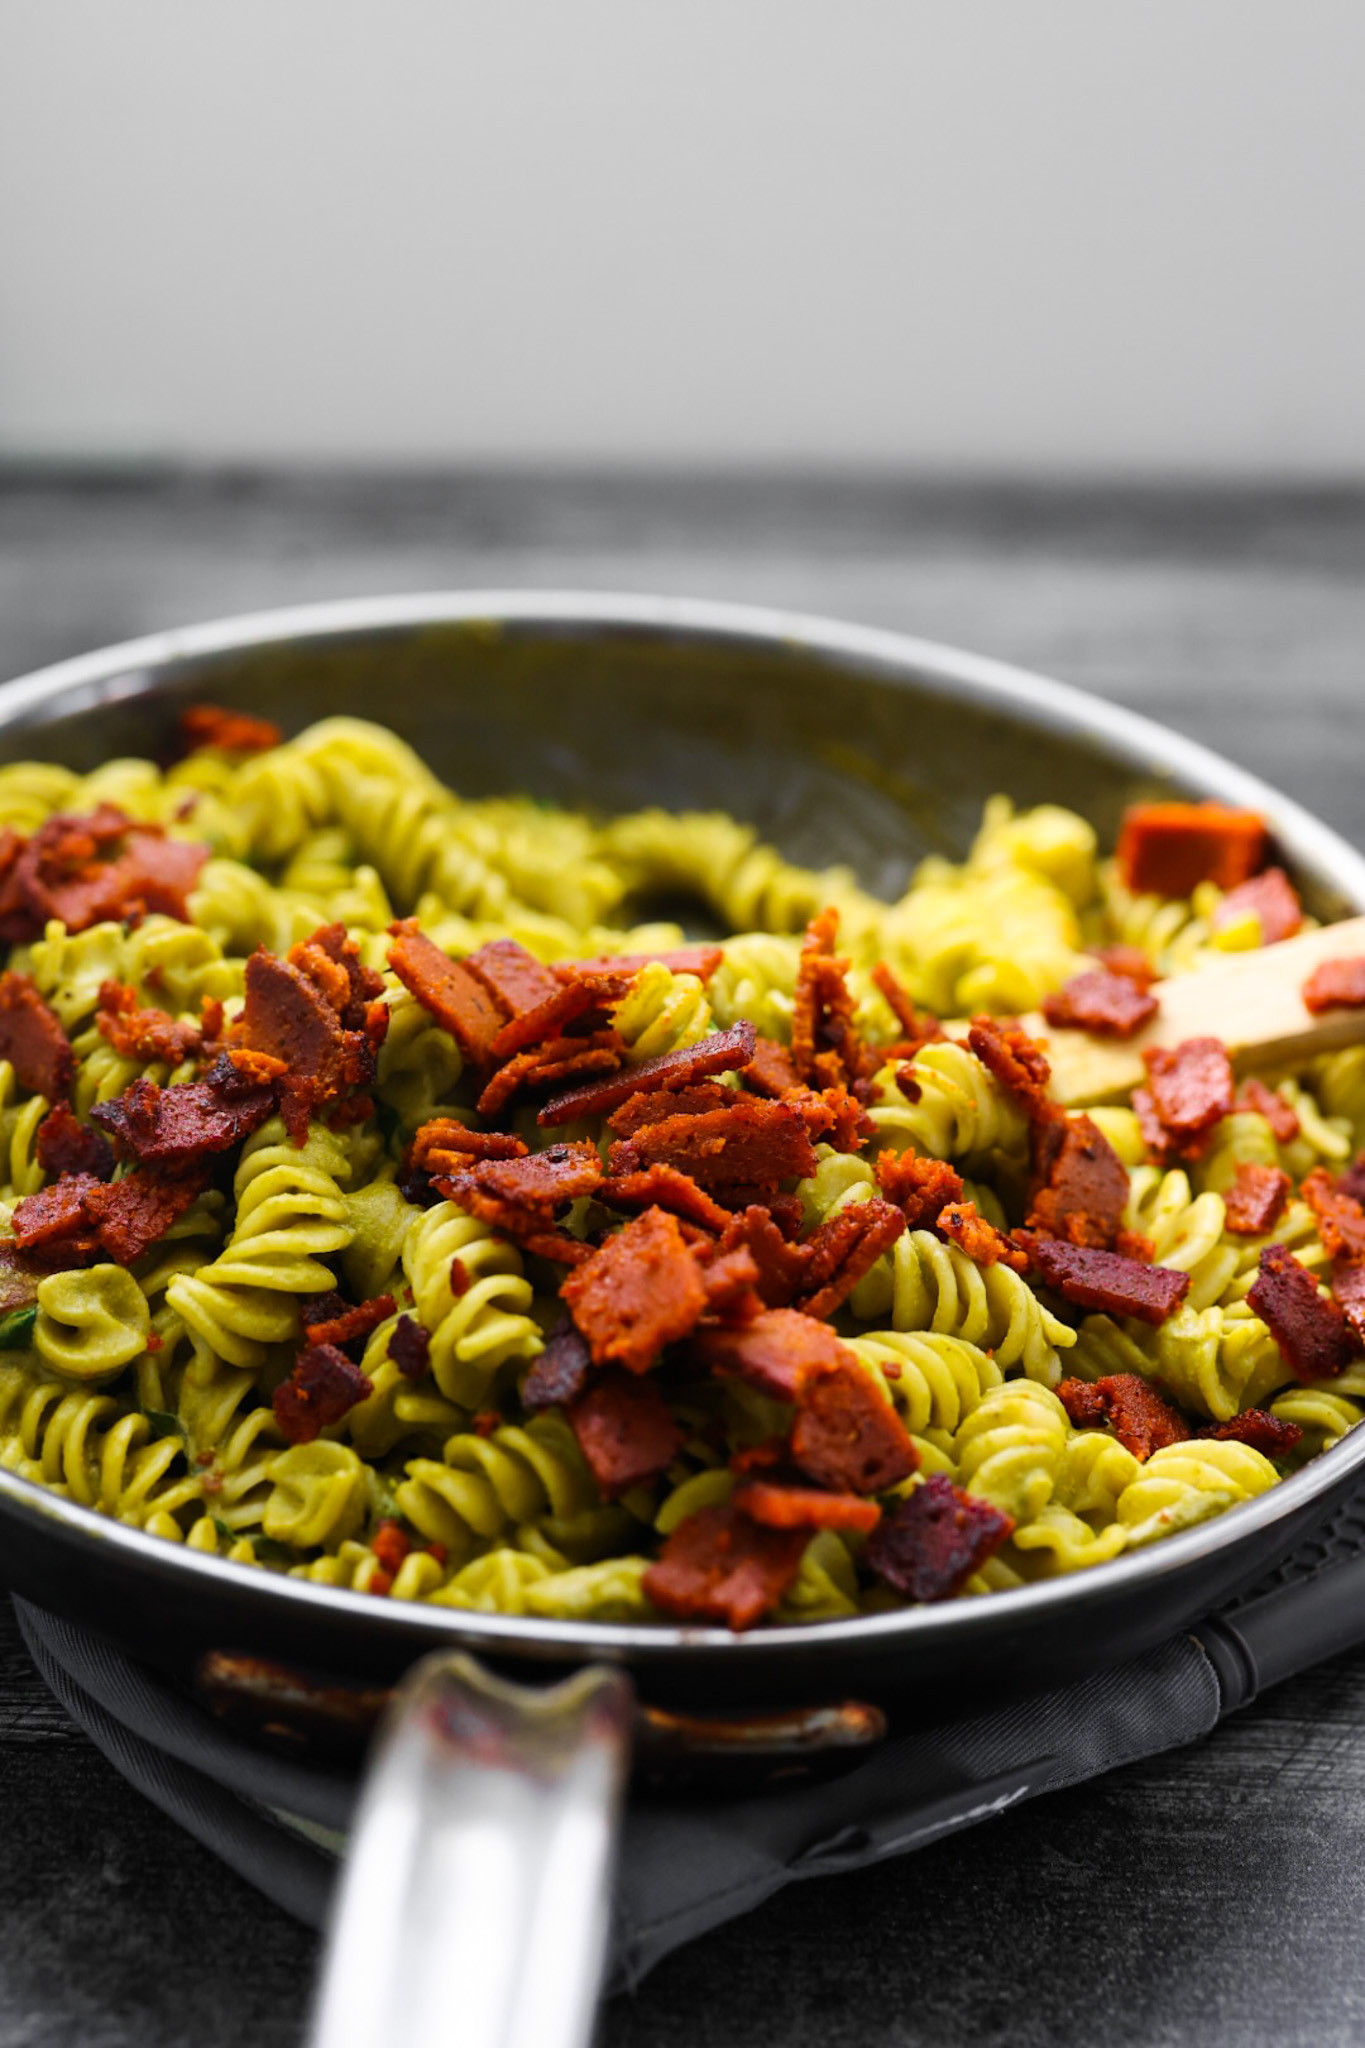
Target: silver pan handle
(474, 1905)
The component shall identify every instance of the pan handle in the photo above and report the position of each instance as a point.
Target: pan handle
(474, 1904)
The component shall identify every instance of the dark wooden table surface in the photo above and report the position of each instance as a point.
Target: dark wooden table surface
(1213, 1896)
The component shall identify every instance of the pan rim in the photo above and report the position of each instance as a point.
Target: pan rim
(134, 668)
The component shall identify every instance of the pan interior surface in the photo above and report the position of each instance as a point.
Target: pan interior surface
(841, 746)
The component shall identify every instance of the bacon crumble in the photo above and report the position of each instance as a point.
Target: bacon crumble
(1108, 1281)
(1141, 1419)
(718, 1053)
(1270, 898)
(1254, 1095)
(1336, 985)
(324, 1386)
(1255, 1201)
(720, 1566)
(231, 732)
(805, 1507)
(1260, 1431)
(1311, 1330)
(1107, 1005)
(641, 1291)
(63, 1145)
(1190, 1085)
(1079, 1186)
(933, 1540)
(32, 1039)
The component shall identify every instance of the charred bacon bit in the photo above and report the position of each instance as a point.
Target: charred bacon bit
(410, 1348)
(719, 1566)
(623, 967)
(1191, 1087)
(770, 1071)
(900, 1003)
(138, 1034)
(65, 1146)
(664, 1187)
(1168, 849)
(847, 1436)
(751, 1143)
(1348, 1291)
(559, 1375)
(652, 1108)
(324, 1385)
(907, 1084)
(1259, 1430)
(597, 1052)
(32, 1039)
(133, 1214)
(963, 1225)
(526, 1225)
(715, 1054)
(1336, 985)
(1312, 1332)
(826, 1048)
(515, 979)
(1271, 898)
(349, 1325)
(55, 1226)
(355, 990)
(289, 1017)
(566, 1002)
(1254, 1095)
(230, 732)
(932, 1541)
(845, 1248)
(447, 1146)
(1079, 1185)
(1015, 1060)
(447, 991)
(641, 1291)
(538, 1180)
(19, 1277)
(1105, 1004)
(1105, 1280)
(1085, 1405)
(171, 1126)
(781, 1265)
(780, 1352)
(1129, 961)
(803, 1507)
(731, 1283)
(625, 1431)
(920, 1188)
(1341, 1219)
(1255, 1201)
(1142, 1421)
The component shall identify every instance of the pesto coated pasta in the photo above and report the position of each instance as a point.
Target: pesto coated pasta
(388, 1197)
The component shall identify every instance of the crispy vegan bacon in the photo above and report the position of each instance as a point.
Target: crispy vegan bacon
(1079, 1186)
(171, 1126)
(447, 991)
(232, 732)
(410, 1348)
(324, 1385)
(1135, 1411)
(1280, 1115)
(515, 979)
(294, 1013)
(624, 1430)
(1191, 1088)
(640, 1291)
(847, 1436)
(560, 1373)
(720, 1566)
(445, 1145)
(778, 1352)
(770, 1071)
(845, 1247)
(32, 1039)
(1352, 1181)
(623, 967)
(1348, 1291)
(963, 1225)
(537, 1180)
(1311, 1330)
(1336, 985)
(1129, 961)
(715, 1054)
(99, 866)
(65, 1146)
(652, 1107)
(554, 1059)
(1256, 1199)
(343, 1324)
(138, 1034)
(1106, 1280)
(920, 1188)
(664, 1187)
(1168, 849)
(79, 1216)
(750, 1143)
(1270, 898)
(1263, 1432)
(1341, 1219)
(1017, 1062)
(805, 1507)
(826, 1048)
(1108, 1005)
(932, 1541)
(781, 1265)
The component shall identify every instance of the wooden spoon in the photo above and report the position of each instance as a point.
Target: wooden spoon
(1252, 1001)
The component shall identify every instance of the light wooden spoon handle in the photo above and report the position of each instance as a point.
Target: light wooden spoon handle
(1252, 1001)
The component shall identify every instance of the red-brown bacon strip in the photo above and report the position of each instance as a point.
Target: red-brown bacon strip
(32, 1039)
(515, 979)
(559, 1375)
(640, 1291)
(1336, 985)
(847, 1436)
(565, 1004)
(231, 732)
(138, 1034)
(65, 1146)
(963, 1225)
(625, 1431)
(353, 992)
(781, 1265)
(750, 1144)
(445, 1145)
(1017, 1062)
(1108, 1005)
(348, 1324)
(920, 1188)
(1167, 849)
(1271, 898)
(53, 1226)
(654, 1106)
(804, 1507)
(1190, 1087)
(1079, 1185)
(171, 1126)
(778, 1352)
(719, 1566)
(410, 1348)
(1141, 1419)
(1129, 961)
(1255, 1201)
(555, 1059)
(844, 1248)
(538, 1180)
(932, 1541)
(1352, 1181)
(1348, 1291)
(1107, 1281)
(324, 1385)
(623, 967)
(133, 1214)
(1262, 1432)
(770, 1071)
(1254, 1095)
(294, 1013)
(826, 1049)
(99, 866)
(664, 1187)
(447, 991)
(1341, 1219)
(1311, 1331)
(715, 1054)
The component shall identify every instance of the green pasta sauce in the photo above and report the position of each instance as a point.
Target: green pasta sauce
(149, 1388)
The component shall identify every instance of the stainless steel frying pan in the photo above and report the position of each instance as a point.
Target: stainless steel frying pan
(476, 1884)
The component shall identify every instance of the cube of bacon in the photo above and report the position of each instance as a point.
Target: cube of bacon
(1167, 849)
(1256, 1199)
(720, 1566)
(847, 1436)
(625, 1431)
(641, 1291)
(932, 1541)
